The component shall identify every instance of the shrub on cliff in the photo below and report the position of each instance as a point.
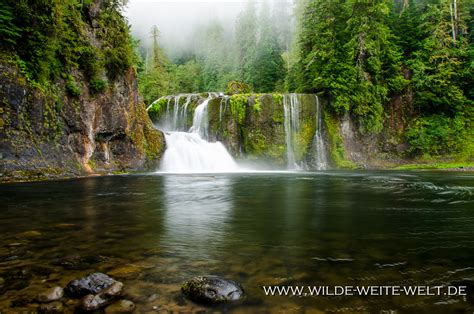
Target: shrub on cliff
(235, 87)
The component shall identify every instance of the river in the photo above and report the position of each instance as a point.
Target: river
(154, 231)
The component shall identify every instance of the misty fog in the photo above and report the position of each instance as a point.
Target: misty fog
(180, 21)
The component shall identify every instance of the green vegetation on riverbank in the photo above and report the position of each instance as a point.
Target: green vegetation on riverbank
(468, 166)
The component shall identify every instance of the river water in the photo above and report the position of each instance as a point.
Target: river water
(331, 228)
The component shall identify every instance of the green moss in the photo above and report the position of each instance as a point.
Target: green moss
(157, 109)
(97, 85)
(72, 88)
(278, 98)
(257, 145)
(337, 151)
(304, 137)
(153, 143)
(238, 107)
(37, 174)
(278, 114)
(92, 163)
(257, 107)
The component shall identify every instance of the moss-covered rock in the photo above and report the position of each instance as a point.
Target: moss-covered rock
(337, 152)
(212, 290)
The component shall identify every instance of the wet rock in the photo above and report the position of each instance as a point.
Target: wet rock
(51, 308)
(107, 296)
(29, 234)
(92, 284)
(212, 290)
(50, 295)
(126, 271)
(15, 244)
(77, 262)
(122, 306)
(21, 302)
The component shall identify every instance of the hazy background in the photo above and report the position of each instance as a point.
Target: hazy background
(178, 21)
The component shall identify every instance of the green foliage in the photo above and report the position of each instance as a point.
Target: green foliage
(269, 66)
(157, 108)
(97, 85)
(246, 34)
(347, 51)
(437, 165)
(440, 135)
(9, 32)
(336, 144)
(257, 107)
(72, 88)
(361, 54)
(57, 38)
(238, 107)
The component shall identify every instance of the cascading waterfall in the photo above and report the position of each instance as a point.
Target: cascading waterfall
(292, 125)
(190, 152)
(292, 107)
(189, 149)
(321, 158)
(201, 119)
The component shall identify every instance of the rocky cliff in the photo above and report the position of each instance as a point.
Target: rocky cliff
(69, 101)
(45, 135)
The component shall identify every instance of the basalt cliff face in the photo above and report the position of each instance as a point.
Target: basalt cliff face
(48, 136)
(69, 101)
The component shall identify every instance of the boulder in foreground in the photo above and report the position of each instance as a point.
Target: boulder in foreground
(212, 290)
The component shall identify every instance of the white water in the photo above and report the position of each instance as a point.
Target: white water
(321, 158)
(201, 119)
(292, 107)
(190, 152)
(292, 125)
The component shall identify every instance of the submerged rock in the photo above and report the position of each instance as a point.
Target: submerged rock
(107, 296)
(50, 295)
(51, 308)
(77, 262)
(29, 234)
(212, 290)
(122, 306)
(92, 284)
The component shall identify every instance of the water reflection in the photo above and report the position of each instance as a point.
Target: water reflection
(154, 231)
(196, 208)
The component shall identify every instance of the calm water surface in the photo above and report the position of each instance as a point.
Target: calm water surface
(152, 232)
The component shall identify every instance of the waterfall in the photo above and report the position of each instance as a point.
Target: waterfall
(188, 149)
(291, 115)
(190, 152)
(292, 107)
(321, 158)
(201, 119)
